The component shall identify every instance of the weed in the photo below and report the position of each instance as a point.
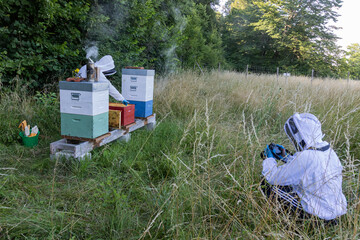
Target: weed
(195, 176)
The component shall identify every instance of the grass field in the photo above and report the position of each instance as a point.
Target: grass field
(195, 176)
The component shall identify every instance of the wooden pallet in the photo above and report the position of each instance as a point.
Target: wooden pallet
(98, 139)
(80, 148)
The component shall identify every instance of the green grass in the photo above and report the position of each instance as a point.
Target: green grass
(195, 176)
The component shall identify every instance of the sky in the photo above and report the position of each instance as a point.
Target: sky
(349, 21)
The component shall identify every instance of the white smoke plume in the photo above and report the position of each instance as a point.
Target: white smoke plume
(92, 52)
(171, 58)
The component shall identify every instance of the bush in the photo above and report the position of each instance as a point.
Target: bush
(39, 45)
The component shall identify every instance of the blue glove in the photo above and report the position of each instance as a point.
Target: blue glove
(125, 102)
(268, 152)
(284, 159)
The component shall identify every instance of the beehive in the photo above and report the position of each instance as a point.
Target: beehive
(84, 108)
(138, 89)
(127, 112)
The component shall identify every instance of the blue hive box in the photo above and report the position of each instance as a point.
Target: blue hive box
(143, 109)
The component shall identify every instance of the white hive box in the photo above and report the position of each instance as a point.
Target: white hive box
(138, 84)
(84, 98)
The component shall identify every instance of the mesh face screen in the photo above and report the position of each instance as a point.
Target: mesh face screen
(291, 136)
(302, 144)
(293, 126)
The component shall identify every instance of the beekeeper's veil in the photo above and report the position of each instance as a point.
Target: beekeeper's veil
(304, 131)
(107, 68)
(106, 65)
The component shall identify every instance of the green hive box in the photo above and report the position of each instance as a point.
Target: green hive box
(84, 126)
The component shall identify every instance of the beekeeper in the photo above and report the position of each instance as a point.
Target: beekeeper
(311, 179)
(107, 68)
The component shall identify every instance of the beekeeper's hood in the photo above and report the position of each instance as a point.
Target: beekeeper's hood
(304, 131)
(106, 65)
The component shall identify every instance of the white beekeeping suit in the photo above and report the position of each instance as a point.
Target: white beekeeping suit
(314, 171)
(106, 65)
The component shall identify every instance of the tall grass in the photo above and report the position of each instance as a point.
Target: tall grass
(196, 176)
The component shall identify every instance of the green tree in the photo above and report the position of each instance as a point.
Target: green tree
(242, 42)
(202, 42)
(36, 43)
(301, 29)
(282, 33)
(161, 34)
(352, 60)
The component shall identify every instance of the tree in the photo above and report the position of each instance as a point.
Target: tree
(36, 44)
(202, 42)
(352, 60)
(161, 34)
(242, 42)
(282, 33)
(300, 28)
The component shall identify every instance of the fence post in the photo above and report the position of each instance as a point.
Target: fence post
(277, 74)
(200, 68)
(247, 70)
(348, 77)
(312, 75)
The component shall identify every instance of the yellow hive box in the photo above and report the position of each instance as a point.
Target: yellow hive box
(115, 118)
(116, 105)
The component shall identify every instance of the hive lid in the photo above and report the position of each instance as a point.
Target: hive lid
(138, 72)
(84, 86)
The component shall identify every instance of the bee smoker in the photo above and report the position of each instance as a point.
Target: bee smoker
(97, 70)
(90, 71)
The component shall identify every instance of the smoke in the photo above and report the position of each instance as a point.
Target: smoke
(171, 59)
(112, 16)
(92, 52)
(180, 19)
(108, 26)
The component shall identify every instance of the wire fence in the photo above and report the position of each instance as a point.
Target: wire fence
(283, 72)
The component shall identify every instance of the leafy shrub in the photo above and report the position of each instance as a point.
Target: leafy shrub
(9, 129)
(39, 45)
(47, 109)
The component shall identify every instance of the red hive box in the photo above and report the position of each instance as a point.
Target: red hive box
(127, 112)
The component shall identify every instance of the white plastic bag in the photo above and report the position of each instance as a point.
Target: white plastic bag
(35, 130)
